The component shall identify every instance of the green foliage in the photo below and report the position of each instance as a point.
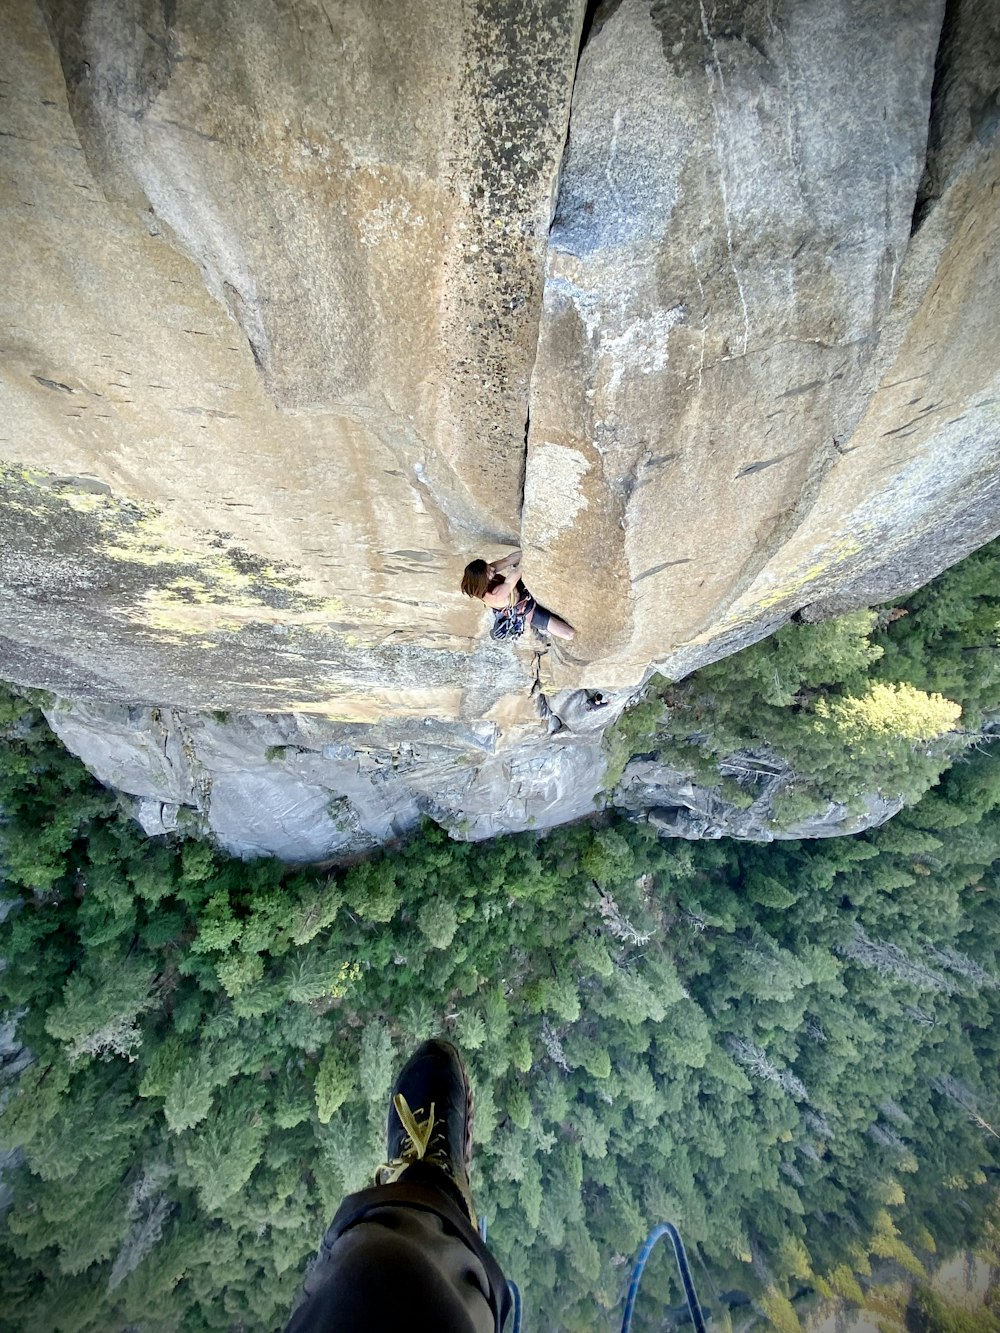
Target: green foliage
(100, 1005)
(239, 971)
(887, 714)
(470, 1030)
(219, 1159)
(865, 703)
(335, 1081)
(936, 1314)
(371, 890)
(376, 1067)
(636, 726)
(188, 1097)
(438, 921)
(758, 1042)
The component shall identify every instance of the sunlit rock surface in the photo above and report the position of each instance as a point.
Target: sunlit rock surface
(304, 307)
(271, 300)
(755, 390)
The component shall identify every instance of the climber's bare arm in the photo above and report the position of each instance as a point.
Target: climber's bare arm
(510, 564)
(509, 568)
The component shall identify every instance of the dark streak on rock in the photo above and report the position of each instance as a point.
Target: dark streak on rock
(801, 388)
(904, 429)
(52, 384)
(656, 569)
(930, 187)
(248, 317)
(760, 465)
(423, 557)
(597, 14)
(185, 129)
(206, 412)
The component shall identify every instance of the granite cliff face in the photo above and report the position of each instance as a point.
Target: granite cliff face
(306, 305)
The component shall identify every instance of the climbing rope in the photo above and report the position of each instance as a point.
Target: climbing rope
(690, 1295)
(515, 1295)
(687, 1282)
(512, 1287)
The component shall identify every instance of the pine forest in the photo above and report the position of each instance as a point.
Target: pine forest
(790, 1049)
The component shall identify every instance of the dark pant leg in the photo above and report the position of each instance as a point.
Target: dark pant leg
(404, 1259)
(540, 617)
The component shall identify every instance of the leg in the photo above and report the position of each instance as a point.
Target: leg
(406, 1254)
(398, 1268)
(546, 622)
(560, 628)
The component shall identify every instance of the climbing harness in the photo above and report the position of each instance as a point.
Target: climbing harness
(508, 621)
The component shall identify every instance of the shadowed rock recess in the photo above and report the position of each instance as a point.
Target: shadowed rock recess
(306, 305)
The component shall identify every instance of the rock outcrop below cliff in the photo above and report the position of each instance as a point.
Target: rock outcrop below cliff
(302, 789)
(306, 306)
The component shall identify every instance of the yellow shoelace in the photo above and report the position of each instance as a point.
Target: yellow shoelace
(415, 1149)
(415, 1145)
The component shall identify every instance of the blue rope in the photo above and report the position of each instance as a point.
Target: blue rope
(690, 1295)
(661, 1229)
(515, 1295)
(512, 1287)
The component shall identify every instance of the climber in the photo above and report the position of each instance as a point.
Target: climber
(499, 585)
(405, 1254)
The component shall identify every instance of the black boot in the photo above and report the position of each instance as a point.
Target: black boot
(430, 1119)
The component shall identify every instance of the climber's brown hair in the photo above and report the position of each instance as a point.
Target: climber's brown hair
(476, 579)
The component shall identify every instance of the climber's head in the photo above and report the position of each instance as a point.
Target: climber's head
(476, 579)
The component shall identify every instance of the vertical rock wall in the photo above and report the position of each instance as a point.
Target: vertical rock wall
(753, 388)
(273, 295)
(366, 190)
(286, 285)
